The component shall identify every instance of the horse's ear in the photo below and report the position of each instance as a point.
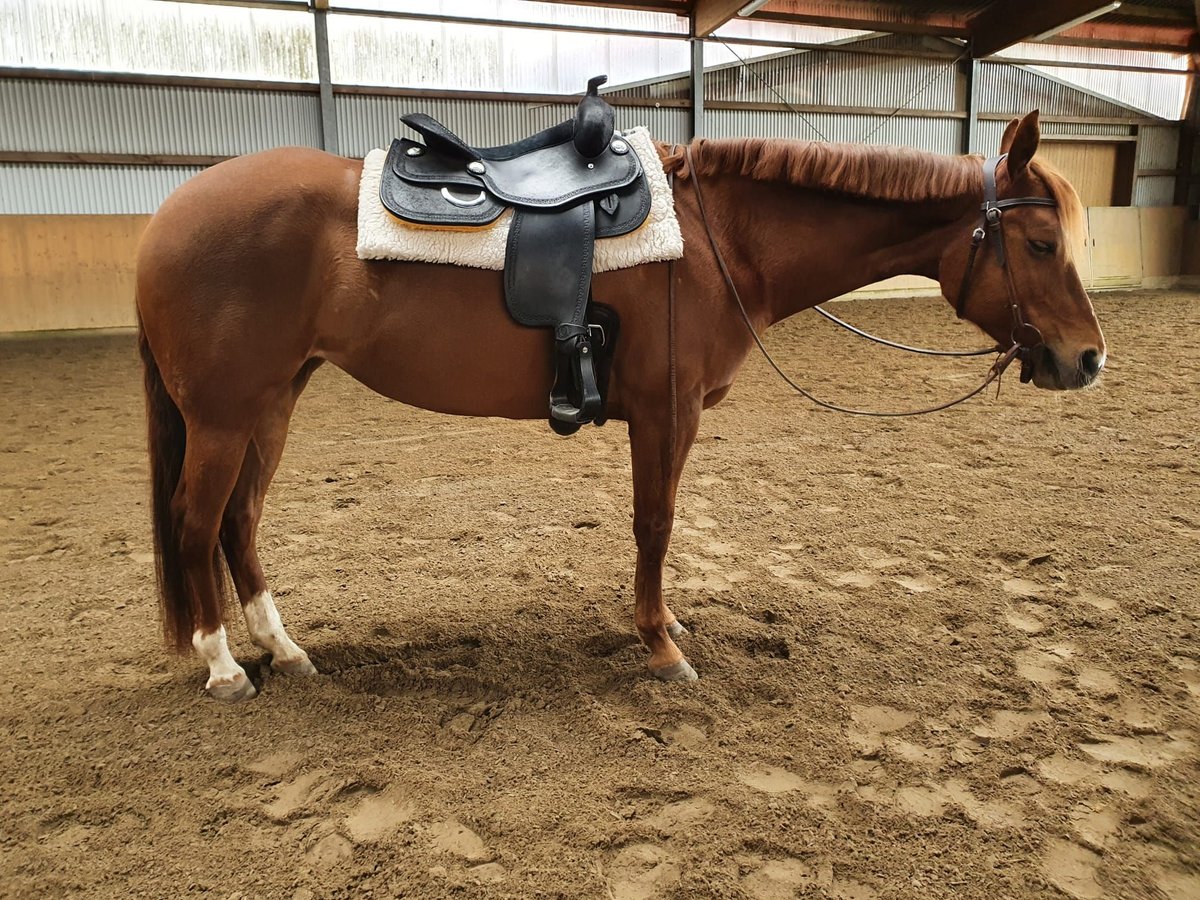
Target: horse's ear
(1024, 144)
(1010, 131)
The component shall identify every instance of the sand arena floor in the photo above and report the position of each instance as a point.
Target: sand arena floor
(956, 656)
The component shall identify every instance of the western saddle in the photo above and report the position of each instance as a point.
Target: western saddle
(567, 186)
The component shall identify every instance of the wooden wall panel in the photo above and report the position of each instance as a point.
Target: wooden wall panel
(1116, 246)
(1190, 264)
(1097, 169)
(66, 272)
(1162, 230)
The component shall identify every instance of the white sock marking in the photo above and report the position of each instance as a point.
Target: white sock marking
(266, 630)
(214, 650)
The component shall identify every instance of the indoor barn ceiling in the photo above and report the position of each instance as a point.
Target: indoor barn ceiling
(990, 25)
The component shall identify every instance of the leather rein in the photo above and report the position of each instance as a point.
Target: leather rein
(1026, 340)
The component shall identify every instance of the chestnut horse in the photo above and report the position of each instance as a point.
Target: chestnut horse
(248, 280)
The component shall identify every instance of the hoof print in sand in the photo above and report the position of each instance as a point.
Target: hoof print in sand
(377, 816)
(451, 836)
(681, 815)
(640, 872)
(1072, 869)
(782, 879)
(329, 850)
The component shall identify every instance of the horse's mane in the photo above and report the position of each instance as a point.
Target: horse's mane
(875, 172)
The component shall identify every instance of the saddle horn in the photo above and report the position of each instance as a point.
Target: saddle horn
(594, 121)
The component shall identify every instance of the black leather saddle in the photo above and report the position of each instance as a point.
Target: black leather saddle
(567, 186)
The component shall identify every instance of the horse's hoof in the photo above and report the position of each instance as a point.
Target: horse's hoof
(232, 689)
(680, 671)
(676, 630)
(296, 665)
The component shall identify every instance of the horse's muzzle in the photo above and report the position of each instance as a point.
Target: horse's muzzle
(1047, 369)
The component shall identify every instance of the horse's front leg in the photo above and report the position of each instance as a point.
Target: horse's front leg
(659, 451)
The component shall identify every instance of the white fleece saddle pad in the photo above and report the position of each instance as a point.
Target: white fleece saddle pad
(383, 236)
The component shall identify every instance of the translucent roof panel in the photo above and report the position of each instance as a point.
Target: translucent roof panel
(1153, 92)
(718, 54)
(451, 56)
(158, 37)
(783, 31)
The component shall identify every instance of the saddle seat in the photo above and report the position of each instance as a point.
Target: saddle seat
(567, 186)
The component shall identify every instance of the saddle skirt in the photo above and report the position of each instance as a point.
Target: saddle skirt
(382, 235)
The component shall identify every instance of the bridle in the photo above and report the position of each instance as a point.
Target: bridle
(1027, 343)
(1025, 337)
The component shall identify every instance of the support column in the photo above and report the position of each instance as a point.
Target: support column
(970, 125)
(696, 80)
(329, 129)
(1185, 168)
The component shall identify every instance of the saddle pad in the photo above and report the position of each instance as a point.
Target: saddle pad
(382, 236)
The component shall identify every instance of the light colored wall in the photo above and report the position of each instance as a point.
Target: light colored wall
(62, 272)
(71, 272)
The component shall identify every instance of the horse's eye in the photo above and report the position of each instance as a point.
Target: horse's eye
(1046, 248)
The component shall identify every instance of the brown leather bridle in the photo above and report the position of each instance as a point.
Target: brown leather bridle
(1026, 338)
(1027, 343)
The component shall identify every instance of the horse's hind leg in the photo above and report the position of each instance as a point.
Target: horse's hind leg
(211, 463)
(239, 532)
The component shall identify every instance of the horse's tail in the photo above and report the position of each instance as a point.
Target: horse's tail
(167, 438)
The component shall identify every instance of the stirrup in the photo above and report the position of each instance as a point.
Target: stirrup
(575, 397)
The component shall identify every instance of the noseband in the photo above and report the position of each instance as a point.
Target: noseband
(1026, 340)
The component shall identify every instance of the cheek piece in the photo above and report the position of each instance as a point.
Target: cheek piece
(1027, 342)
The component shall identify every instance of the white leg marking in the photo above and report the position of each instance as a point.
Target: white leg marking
(226, 679)
(266, 630)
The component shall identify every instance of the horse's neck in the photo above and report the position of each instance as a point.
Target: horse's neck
(801, 247)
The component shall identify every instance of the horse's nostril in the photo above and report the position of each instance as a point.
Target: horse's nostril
(1091, 362)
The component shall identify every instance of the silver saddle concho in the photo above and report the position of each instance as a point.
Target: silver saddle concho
(567, 186)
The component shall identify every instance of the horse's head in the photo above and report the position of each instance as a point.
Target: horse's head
(1013, 271)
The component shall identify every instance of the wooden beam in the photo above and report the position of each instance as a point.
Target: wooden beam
(1185, 156)
(876, 15)
(709, 15)
(108, 159)
(679, 7)
(1166, 14)
(1001, 25)
(1160, 37)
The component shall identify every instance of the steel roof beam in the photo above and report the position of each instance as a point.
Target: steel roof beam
(1001, 25)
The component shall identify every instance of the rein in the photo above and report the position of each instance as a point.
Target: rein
(895, 345)
(992, 213)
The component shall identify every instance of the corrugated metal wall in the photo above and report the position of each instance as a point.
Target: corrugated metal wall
(97, 117)
(1157, 151)
(839, 79)
(1005, 88)
(366, 122)
(934, 135)
(27, 189)
(172, 119)
(1158, 147)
